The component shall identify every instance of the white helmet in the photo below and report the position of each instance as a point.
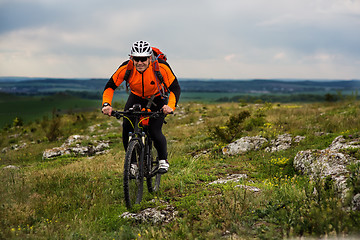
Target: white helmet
(141, 49)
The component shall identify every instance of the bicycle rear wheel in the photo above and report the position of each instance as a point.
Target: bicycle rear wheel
(152, 181)
(133, 174)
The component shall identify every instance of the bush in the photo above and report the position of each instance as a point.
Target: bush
(238, 124)
(233, 128)
(18, 122)
(53, 131)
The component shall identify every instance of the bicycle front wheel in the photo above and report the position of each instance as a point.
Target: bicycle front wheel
(133, 174)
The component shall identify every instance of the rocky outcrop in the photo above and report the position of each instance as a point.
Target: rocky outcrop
(77, 145)
(329, 162)
(324, 163)
(283, 142)
(245, 144)
(341, 143)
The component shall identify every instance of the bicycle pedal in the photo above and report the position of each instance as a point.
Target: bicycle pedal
(162, 170)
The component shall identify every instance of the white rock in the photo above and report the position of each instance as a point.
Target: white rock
(11, 167)
(327, 162)
(154, 215)
(230, 178)
(244, 145)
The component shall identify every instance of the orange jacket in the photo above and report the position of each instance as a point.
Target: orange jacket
(143, 84)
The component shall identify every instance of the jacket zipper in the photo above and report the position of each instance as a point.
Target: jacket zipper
(142, 79)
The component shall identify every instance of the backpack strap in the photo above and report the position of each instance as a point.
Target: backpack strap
(160, 79)
(129, 69)
(151, 102)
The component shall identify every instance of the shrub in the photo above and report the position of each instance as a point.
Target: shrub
(354, 179)
(237, 124)
(256, 121)
(233, 128)
(53, 131)
(18, 122)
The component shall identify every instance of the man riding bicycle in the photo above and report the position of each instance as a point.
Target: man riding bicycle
(153, 85)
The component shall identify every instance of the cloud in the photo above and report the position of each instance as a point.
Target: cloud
(279, 56)
(229, 57)
(204, 38)
(323, 57)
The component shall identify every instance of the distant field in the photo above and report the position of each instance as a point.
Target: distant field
(205, 96)
(31, 108)
(34, 108)
(213, 97)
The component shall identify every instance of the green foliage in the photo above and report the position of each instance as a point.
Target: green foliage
(354, 179)
(259, 118)
(18, 122)
(315, 209)
(233, 127)
(237, 125)
(53, 130)
(330, 97)
(354, 152)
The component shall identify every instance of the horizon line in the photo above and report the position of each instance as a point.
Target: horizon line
(20, 78)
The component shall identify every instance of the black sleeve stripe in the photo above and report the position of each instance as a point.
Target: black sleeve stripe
(167, 76)
(124, 63)
(175, 88)
(167, 64)
(110, 84)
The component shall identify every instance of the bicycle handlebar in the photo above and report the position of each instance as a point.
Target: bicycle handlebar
(132, 113)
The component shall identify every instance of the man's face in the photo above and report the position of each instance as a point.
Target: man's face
(141, 63)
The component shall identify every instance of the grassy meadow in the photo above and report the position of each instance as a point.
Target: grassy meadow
(82, 198)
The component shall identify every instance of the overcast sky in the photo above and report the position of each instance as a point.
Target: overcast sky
(234, 39)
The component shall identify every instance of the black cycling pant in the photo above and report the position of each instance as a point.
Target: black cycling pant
(155, 124)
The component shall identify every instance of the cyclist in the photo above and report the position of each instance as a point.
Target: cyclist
(147, 90)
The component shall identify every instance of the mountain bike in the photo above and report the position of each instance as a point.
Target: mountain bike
(139, 161)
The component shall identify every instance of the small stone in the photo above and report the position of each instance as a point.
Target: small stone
(154, 215)
(230, 178)
(11, 167)
(250, 188)
(356, 202)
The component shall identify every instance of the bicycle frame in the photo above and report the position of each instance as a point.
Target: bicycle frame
(141, 147)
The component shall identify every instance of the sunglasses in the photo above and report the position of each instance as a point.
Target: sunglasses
(140, 59)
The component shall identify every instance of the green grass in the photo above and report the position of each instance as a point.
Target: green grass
(82, 198)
